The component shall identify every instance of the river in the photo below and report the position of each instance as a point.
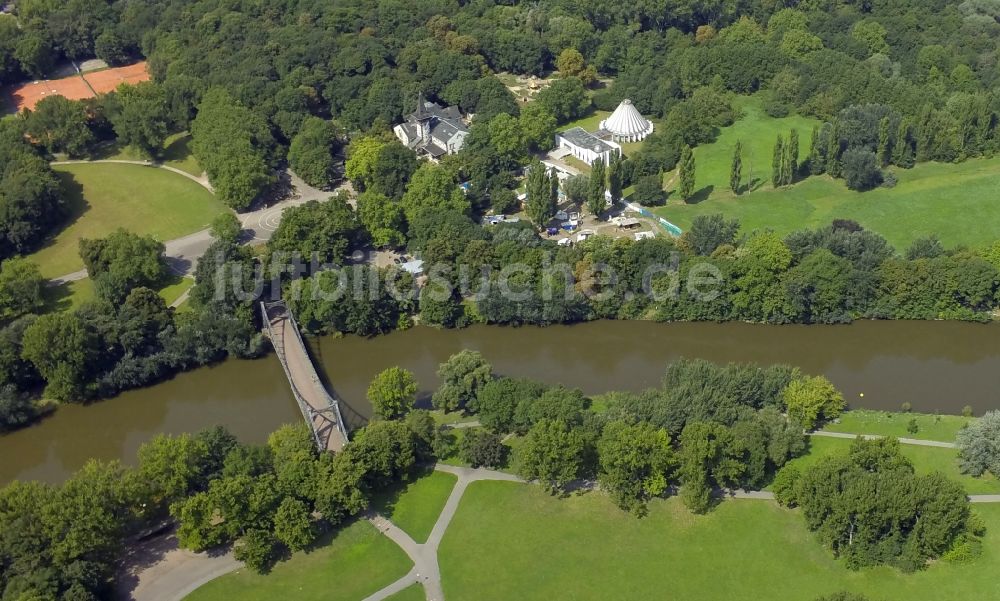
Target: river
(935, 366)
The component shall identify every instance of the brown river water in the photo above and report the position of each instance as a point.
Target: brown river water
(935, 366)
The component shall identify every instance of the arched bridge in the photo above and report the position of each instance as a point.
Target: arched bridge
(319, 408)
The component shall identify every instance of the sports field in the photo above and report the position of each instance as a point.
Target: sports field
(956, 202)
(75, 87)
(103, 197)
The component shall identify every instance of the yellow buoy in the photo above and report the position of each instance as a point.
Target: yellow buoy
(861, 394)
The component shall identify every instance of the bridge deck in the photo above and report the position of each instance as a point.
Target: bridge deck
(320, 410)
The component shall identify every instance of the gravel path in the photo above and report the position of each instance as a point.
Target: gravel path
(914, 441)
(182, 254)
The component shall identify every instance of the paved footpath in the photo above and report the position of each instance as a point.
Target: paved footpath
(425, 561)
(182, 253)
(914, 441)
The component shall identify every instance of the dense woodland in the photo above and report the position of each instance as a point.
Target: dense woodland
(708, 427)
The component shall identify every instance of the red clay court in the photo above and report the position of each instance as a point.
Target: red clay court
(75, 87)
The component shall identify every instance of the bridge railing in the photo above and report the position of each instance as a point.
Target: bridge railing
(307, 411)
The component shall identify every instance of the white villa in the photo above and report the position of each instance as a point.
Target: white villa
(624, 125)
(433, 130)
(587, 146)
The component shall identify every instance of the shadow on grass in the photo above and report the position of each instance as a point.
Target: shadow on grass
(385, 501)
(58, 298)
(74, 207)
(178, 150)
(700, 196)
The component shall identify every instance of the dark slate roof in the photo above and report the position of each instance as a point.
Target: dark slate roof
(584, 139)
(434, 150)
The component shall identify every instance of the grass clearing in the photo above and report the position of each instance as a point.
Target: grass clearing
(102, 197)
(69, 296)
(514, 541)
(885, 423)
(176, 153)
(357, 562)
(953, 201)
(925, 460)
(415, 506)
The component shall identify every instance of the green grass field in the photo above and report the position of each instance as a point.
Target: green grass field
(104, 196)
(925, 460)
(176, 153)
(416, 505)
(929, 427)
(355, 564)
(956, 202)
(71, 295)
(513, 541)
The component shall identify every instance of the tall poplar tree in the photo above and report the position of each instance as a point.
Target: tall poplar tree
(595, 196)
(791, 157)
(615, 180)
(778, 162)
(833, 152)
(883, 142)
(736, 170)
(816, 165)
(685, 172)
(538, 186)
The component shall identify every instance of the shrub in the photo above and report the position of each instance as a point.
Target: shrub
(482, 448)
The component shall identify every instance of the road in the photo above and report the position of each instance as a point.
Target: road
(182, 254)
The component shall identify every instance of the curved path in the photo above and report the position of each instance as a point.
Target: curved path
(425, 562)
(182, 253)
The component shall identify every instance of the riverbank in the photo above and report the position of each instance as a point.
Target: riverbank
(936, 366)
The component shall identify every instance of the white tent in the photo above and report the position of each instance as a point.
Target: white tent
(626, 124)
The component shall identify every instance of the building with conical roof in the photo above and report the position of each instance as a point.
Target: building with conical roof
(626, 124)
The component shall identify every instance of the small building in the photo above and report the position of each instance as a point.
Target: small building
(586, 146)
(626, 124)
(433, 130)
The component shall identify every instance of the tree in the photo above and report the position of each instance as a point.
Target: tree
(362, 156)
(551, 453)
(393, 392)
(902, 147)
(226, 228)
(121, 262)
(500, 401)
(383, 219)
(21, 287)
(736, 169)
(506, 137)
(326, 231)
(616, 179)
(791, 166)
(60, 125)
(433, 187)
(812, 399)
(860, 169)
(565, 98)
(140, 116)
(570, 62)
(649, 190)
(685, 173)
(636, 462)
(884, 152)
(255, 549)
(816, 163)
(293, 525)
(62, 350)
(709, 232)
(540, 207)
(595, 194)
(778, 163)
(979, 445)
(233, 144)
(482, 448)
(462, 376)
(833, 151)
(311, 152)
(538, 126)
